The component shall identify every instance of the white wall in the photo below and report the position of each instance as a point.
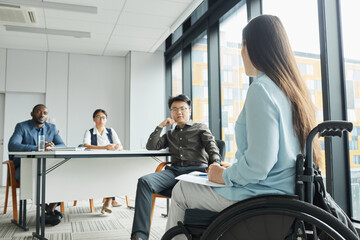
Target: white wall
(25, 71)
(127, 99)
(2, 69)
(131, 90)
(103, 86)
(147, 95)
(57, 91)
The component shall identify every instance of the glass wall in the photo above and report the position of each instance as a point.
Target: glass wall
(300, 19)
(176, 74)
(351, 40)
(199, 60)
(234, 82)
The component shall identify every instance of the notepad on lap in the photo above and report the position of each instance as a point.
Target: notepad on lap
(67, 148)
(194, 177)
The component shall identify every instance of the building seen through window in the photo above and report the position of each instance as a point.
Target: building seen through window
(351, 41)
(303, 33)
(199, 60)
(234, 81)
(176, 74)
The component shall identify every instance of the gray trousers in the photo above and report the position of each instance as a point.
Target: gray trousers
(187, 195)
(154, 183)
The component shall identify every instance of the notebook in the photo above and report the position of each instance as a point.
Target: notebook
(67, 148)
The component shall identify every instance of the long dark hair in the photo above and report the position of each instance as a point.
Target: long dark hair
(270, 52)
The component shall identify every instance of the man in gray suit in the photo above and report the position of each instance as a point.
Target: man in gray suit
(25, 138)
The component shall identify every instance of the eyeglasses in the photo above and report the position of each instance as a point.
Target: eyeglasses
(100, 118)
(175, 110)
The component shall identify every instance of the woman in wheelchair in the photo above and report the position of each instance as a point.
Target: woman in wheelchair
(271, 129)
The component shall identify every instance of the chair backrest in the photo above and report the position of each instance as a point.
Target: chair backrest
(221, 146)
(11, 173)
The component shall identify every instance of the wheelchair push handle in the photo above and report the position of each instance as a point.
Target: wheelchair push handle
(326, 129)
(334, 128)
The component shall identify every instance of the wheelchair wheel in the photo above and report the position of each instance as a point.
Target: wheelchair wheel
(194, 231)
(172, 232)
(273, 217)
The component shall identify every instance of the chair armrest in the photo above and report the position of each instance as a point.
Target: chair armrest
(161, 166)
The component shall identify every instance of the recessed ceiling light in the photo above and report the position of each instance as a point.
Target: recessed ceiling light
(77, 34)
(53, 5)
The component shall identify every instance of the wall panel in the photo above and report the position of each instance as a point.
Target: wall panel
(95, 82)
(25, 71)
(57, 91)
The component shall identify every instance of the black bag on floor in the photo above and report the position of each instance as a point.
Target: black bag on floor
(323, 200)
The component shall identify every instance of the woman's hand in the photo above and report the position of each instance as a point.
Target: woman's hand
(215, 173)
(118, 147)
(110, 147)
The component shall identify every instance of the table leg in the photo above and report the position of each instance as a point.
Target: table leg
(40, 177)
(22, 216)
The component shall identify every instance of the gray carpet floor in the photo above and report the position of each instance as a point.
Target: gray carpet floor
(79, 224)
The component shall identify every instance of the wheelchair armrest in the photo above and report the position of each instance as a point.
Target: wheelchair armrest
(161, 166)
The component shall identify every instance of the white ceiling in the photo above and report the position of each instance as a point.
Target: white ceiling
(119, 26)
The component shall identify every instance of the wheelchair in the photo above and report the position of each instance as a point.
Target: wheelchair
(272, 216)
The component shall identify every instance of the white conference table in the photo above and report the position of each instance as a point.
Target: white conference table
(56, 176)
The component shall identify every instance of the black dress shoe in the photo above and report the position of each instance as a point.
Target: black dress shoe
(52, 219)
(56, 212)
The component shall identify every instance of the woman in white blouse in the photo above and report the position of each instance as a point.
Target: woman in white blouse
(101, 137)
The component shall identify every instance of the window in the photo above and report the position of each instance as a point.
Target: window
(351, 40)
(199, 62)
(234, 82)
(300, 19)
(176, 73)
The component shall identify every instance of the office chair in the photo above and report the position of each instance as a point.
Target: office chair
(167, 193)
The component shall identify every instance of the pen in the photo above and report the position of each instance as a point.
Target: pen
(201, 174)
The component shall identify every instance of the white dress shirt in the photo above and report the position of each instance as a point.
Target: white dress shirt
(102, 140)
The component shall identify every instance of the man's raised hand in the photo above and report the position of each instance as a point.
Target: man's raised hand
(167, 122)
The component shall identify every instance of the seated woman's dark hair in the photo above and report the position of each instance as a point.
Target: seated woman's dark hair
(179, 98)
(270, 52)
(99, 110)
